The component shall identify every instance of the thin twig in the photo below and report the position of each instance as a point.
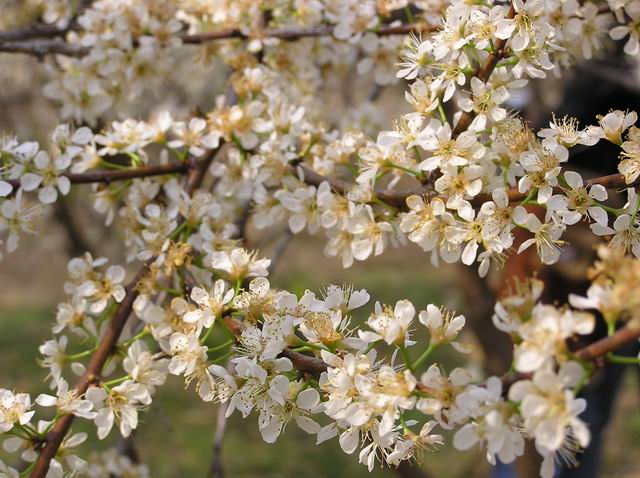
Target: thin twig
(612, 181)
(29, 41)
(92, 373)
(107, 176)
(42, 48)
(398, 198)
(295, 33)
(34, 30)
(77, 244)
(395, 198)
(483, 73)
(609, 344)
(314, 366)
(280, 249)
(216, 470)
(45, 30)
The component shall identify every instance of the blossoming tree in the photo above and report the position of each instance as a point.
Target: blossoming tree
(457, 175)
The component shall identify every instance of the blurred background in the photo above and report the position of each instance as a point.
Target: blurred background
(177, 434)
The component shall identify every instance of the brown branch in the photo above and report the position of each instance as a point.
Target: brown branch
(280, 249)
(393, 197)
(109, 341)
(314, 366)
(295, 33)
(593, 351)
(483, 73)
(216, 469)
(612, 181)
(398, 198)
(118, 175)
(35, 30)
(46, 30)
(92, 373)
(41, 48)
(305, 363)
(609, 344)
(40, 40)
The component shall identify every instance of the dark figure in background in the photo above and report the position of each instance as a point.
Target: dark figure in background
(596, 88)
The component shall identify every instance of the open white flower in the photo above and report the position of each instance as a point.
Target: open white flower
(630, 164)
(578, 201)
(491, 422)
(546, 235)
(211, 303)
(445, 150)
(613, 125)
(67, 401)
(15, 218)
(485, 103)
(190, 136)
(288, 402)
(414, 57)
(544, 335)
(390, 325)
(99, 292)
(14, 408)
(542, 166)
(632, 46)
(121, 403)
(414, 444)
(443, 390)
(626, 234)
(54, 352)
(239, 264)
(565, 131)
(528, 21)
(444, 326)
(550, 411)
(144, 367)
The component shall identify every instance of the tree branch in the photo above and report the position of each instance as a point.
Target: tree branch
(109, 341)
(483, 73)
(107, 176)
(35, 30)
(398, 198)
(314, 366)
(216, 469)
(612, 181)
(43, 47)
(77, 244)
(395, 198)
(280, 249)
(609, 344)
(295, 33)
(39, 39)
(92, 373)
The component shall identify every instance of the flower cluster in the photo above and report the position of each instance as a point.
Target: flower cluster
(290, 166)
(306, 360)
(457, 175)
